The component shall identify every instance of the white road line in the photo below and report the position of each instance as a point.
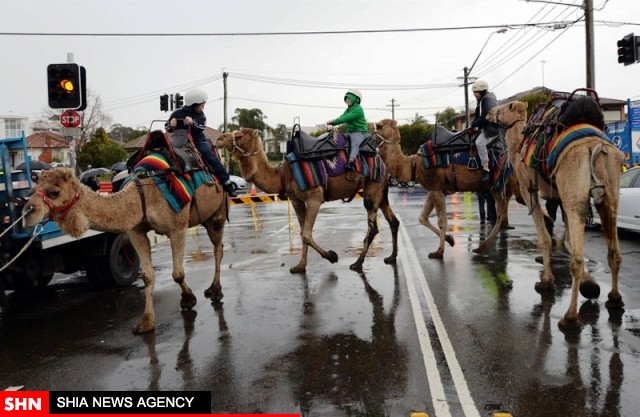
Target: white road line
(466, 400)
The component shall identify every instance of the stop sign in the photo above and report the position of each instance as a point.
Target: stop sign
(70, 118)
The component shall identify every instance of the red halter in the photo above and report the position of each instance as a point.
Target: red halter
(58, 213)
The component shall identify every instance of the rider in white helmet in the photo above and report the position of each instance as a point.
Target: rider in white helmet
(487, 130)
(192, 117)
(356, 123)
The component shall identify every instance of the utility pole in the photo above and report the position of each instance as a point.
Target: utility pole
(466, 81)
(393, 108)
(590, 55)
(224, 128)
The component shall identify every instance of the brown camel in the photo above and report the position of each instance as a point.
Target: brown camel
(439, 182)
(589, 167)
(246, 147)
(76, 208)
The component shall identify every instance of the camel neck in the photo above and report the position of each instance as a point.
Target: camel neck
(116, 212)
(257, 169)
(399, 165)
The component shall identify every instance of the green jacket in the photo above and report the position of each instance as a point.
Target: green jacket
(354, 118)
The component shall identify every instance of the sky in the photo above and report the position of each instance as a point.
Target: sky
(304, 76)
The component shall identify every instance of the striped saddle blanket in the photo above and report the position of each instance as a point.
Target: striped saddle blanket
(178, 190)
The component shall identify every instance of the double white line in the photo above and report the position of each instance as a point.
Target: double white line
(413, 271)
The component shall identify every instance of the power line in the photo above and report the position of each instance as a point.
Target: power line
(295, 33)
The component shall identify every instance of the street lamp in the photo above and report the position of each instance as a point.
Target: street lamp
(467, 71)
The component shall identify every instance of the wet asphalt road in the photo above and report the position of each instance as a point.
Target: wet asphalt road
(463, 336)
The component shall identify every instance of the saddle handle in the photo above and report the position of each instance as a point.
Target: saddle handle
(590, 91)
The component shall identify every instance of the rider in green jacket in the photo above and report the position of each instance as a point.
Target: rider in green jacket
(356, 124)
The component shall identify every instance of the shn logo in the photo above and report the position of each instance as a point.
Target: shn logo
(22, 404)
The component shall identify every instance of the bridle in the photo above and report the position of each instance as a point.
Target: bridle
(58, 213)
(504, 125)
(243, 151)
(382, 140)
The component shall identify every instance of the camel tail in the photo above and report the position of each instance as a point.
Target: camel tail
(597, 188)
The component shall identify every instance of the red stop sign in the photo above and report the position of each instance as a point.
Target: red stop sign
(70, 118)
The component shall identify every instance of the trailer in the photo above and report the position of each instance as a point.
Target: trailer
(109, 259)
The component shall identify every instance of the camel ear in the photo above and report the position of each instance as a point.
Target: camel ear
(67, 174)
(394, 123)
(526, 105)
(256, 132)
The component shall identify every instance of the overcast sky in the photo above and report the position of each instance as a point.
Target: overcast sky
(288, 76)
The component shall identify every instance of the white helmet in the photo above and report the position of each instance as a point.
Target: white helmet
(355, 92)
(195, 96)
(480, 85)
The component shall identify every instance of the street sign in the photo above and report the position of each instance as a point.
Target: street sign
(70, 118)
(71, 131)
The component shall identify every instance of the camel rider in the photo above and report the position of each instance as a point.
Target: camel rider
(356, 127)
(487, 130)
(192, 117)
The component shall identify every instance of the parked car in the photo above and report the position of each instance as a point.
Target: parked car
(629, 207)
(239, 183)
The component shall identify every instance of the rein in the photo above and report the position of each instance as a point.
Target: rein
(58, 213)
(504, 125)
(244, 152)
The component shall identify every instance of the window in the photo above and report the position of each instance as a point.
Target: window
(13, 127)
(628, 177)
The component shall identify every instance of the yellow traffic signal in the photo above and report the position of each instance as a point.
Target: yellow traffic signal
(67, 86)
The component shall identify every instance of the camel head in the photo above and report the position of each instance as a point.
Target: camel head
(244, 145)
(508, 114)
(387, 130)
(54, 196)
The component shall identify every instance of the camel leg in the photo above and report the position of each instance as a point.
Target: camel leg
(438, 200)
(428, 207)
(610, 232)
(215, 230)
(372, 231)
(141, 244)
(301, 209)
(394, 224)
(177, 240)
(313, 207)
(502, 202)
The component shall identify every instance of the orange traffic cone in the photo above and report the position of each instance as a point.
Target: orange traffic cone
(253, 190)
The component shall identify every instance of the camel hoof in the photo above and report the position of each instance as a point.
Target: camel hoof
(214, 294)
(449, 239)
(143, 327)
(332, 257)
(436, 255)
(545, 287)
(614, 302)
(356, 266)
(390, 260)
(539, 259)
(590, 290)
(298, 269)
(477, 250)
(568, 325)
(187, 301)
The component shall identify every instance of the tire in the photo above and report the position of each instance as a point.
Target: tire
(234, 186)
(411, 183)
(393, 181)
(118, 268)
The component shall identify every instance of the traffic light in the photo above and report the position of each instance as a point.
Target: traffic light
(179, 100)
(65, 86)
(627, 50)
(164, 102)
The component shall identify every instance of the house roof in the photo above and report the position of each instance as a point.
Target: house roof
(137, 143)
(604, 102)
(46, 140)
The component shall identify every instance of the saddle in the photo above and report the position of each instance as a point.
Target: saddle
(327, 145)
(445, 141)
(179, 150)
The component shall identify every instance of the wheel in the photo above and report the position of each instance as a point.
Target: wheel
(118, 268)
(411, 183)
(234, 186)
(393, 181)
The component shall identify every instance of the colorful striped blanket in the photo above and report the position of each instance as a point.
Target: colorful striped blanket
(178, 190)
(542, 152)
(309, 174)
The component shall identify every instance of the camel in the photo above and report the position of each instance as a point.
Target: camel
(589, 167)
(439, 182)
(136, 210)
(246, 146)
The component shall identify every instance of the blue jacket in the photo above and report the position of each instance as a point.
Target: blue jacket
(486, 103)
(197, 128)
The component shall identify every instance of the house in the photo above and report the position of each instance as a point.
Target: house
(12, 126)
(48, 147)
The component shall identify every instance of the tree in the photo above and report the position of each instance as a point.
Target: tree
(124, 133)
(445, 118)
(533, 100)
(279, 135)
(251, 118)
(100, 151)
(414, 135)
(418, 120)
